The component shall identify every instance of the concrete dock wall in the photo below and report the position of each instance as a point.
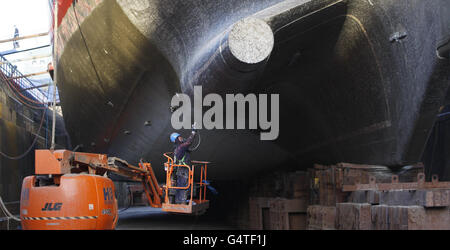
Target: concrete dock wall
(19, 126)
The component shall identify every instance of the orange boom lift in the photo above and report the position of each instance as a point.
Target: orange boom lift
(71, 191)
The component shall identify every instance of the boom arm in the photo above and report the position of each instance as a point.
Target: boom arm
(59, 162)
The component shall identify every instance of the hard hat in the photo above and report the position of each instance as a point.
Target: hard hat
(174, 136)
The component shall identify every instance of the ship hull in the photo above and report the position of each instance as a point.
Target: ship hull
(359, 81)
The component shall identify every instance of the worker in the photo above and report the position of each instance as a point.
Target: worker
(182, 157)
(16, 35)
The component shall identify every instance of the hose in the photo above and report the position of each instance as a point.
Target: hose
(18, 91)
(198, 144)
(32, 144)
(85, 44)
(8, 81)
(16, 97)
(6, 212)
(40, 125)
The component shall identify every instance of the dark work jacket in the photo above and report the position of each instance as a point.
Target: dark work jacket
(182, 149)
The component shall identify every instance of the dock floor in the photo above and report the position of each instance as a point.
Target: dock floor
(148, 218)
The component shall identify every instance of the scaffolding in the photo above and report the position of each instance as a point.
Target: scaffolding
(20, 83)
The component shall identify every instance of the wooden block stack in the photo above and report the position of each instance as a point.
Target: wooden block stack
(410, 218)
(255, 216)
(395, 217)
(391, 209)
(421, 197)
(353, 216)
(327, 184)
(321, 217)
(327, 181)
(279, 202)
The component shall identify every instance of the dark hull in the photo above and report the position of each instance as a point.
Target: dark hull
(359, 81)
